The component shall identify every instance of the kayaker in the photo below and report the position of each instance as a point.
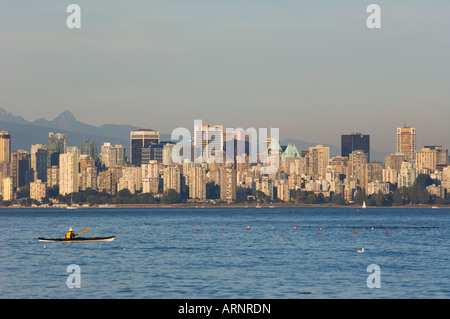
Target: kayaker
(70, 234)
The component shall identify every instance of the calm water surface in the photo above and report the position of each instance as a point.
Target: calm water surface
(208, 253)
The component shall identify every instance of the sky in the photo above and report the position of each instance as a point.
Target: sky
(311, 68)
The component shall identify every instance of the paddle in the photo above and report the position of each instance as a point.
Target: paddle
(83, 231)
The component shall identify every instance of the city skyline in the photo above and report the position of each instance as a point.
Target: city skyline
(336, 149)
(313, 69)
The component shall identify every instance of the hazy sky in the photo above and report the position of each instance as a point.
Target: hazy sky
(311, 68)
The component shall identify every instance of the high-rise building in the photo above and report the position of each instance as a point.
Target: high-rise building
(208, 140)
(227, 184)
(39, 162)
(68, 172)
(197, 182)
(426, 160)
(57, 144)
(140, 139)
(353, 142)
(112, 156)
(5, 147)
(7, 188)
(406, 141)
(441, 154)
(357, 168)
(407, 175)
(172, 178)
(88, 173)
(89, 148)
(319, 156)
(38, 190)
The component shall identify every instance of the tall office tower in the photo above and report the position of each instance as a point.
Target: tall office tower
(353, 142)
(112, 156)
(172, 178)
(208, 140)
(406, 141)
(22, 166)
(319, 156)
(39, 162)
(140, 139)
(197, 182)
(227, 184)
(357, 168)
(89, 148)
(57, 144)
(68, 173)
(5, 147)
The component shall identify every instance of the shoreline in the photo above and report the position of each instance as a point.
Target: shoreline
(234, 205)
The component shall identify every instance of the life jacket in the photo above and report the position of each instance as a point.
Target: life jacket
(69, 235)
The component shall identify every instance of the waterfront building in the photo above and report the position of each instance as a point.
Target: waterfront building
(38, 190)
(7, 188)
(227, 184)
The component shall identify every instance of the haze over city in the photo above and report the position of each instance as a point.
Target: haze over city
(311, 68)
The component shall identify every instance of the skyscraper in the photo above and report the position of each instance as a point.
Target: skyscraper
(208, 140)
(354, 142)
(406, 141)
(140, 139)
(5, 147)
(57, 144)
(39, 162)
(68, 172)
(319, 156)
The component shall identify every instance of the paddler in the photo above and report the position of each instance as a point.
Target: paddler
(70, 234)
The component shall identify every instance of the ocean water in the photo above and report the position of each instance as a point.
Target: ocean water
(209, 253)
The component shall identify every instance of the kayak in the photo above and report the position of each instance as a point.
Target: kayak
(77, 239)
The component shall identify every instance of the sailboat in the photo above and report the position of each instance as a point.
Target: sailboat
(364, 204)
(71, 203)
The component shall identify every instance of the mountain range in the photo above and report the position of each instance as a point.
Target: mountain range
(25, 133)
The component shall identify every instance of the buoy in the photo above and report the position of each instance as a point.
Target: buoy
(361, 250)
(222, 229)
(354, 232)
(295, 228)
(388, 233)
(372, 228)
(194, 228)
(248, 228)
(319, 233)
